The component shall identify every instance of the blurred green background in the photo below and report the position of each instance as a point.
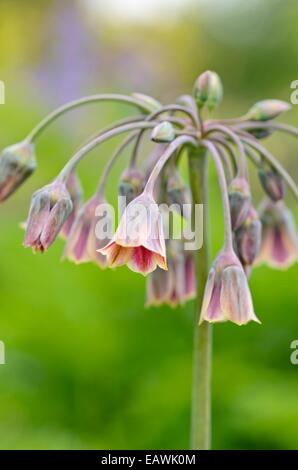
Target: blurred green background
(87, 365)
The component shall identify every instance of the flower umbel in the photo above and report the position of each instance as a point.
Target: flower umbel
(50, 207)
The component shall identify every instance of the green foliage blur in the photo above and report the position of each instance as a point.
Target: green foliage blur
(87, 366)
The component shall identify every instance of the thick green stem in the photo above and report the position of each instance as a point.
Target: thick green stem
(202, 354)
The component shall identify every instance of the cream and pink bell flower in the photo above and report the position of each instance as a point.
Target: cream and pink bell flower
(83, 244)
(279, 248)
(139, 240)
(50, 207)
(227, 295)
(176, 285)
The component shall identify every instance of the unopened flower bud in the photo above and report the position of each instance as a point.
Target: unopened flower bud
(131, 184)
(267, 110)
(272, 183)
(248, 238)
(17, 163)
(150, 102)
(208, 90)
(50, 207)
(239, 197)
(163, 132)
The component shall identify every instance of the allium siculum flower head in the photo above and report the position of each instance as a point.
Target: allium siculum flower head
(272, 183)
(131, 184)
(50, 207)
(248, 238)
(83, 243)
(240, 200)
(74, 188)
(279, 248)
(227, 295)
(208, 90)
(267, 109)
(176, 285)
(139, 240)
(17, 163)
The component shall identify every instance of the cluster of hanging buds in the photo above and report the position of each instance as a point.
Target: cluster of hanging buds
(153, 184)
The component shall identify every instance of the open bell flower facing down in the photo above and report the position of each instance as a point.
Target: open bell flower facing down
(176, 285)
(82, 243)
(17, 163)
(139, 239)
(74, 188)
(50, 207)
(279, 248)
(227, 295)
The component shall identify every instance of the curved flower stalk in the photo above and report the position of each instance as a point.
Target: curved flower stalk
(177, 130)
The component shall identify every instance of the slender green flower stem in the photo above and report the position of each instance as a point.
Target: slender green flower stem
(77, 157)
(81, 102)
(274, 162)
(202, 352)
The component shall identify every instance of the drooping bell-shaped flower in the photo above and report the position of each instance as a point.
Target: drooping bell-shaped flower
(83, 241)
(227, 295)
(50, 207)
(272, 183)
(139, 239)
(74, 188)
(17, 163)
(176, 285)
(279, 248)
(240, 200)
(248, 238)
